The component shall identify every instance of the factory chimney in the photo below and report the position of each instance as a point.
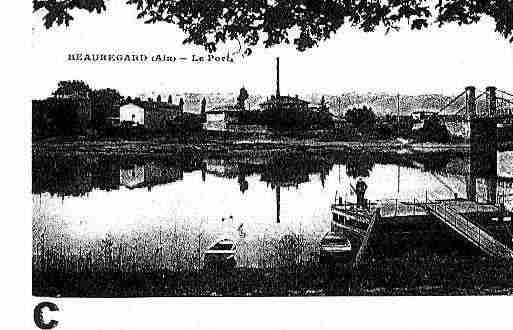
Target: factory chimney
(277, 77)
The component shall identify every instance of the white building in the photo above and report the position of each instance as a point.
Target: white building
(220, 118)
(133, 113)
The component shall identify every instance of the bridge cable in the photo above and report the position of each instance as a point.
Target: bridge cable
(452, 102)
(504, 92)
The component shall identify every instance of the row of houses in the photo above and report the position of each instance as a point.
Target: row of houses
(159, 116)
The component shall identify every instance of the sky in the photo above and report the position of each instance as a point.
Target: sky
(436, 60)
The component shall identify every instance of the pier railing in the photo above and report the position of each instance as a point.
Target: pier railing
(372, 221)
(468, 229)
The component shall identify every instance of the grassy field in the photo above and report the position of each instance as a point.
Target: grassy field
(408, 275)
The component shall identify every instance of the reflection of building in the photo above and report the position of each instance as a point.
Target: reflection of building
(76, 177)
(149, 175)
(222, 168)
(156, 175)
(131, 177)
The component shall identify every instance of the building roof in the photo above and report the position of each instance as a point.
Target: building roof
(285, 100)
(231, 108)
(162, 106)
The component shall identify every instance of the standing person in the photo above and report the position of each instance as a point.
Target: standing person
(361, 188)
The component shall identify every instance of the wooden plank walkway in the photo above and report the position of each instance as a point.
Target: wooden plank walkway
(397, 208)
(448, 214)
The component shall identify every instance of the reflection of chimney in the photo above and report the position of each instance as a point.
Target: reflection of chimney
(278, 202)
(277, 77)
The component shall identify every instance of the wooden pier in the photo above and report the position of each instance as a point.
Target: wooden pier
(452, 213)
(469, 220)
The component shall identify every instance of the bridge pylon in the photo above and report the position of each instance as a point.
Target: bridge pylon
(470, 102)
(491, 101)
(483, 133)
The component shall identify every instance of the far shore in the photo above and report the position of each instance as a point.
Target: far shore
(236, 146)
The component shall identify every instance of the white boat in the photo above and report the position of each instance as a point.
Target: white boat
(221, 253)
(335, 247)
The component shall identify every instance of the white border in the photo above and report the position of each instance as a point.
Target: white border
(177, 313)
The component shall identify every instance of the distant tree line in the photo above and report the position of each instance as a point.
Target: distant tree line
(367, 122)
(362, 118)
(73, 109)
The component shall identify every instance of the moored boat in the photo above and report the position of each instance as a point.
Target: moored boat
(335, 247)
(221, 253)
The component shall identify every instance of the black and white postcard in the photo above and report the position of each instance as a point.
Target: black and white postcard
(213, 163)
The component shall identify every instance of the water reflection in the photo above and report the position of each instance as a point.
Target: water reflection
(174, 206)
(77, 176)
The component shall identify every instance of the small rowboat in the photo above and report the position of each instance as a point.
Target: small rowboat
(221, 253)
(335, 247)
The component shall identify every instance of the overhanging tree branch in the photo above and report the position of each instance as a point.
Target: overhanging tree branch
(302, 22)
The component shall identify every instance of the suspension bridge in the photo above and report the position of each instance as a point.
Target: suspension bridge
(481, 115)
(482, 110)
(473, 104)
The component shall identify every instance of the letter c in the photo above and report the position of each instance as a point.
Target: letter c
(38, 315)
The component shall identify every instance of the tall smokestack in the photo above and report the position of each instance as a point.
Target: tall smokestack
(277, 77)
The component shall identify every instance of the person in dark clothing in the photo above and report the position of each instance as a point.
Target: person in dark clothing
(361, 188)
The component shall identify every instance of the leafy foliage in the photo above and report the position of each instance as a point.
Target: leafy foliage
(55, 117)
(241, 99)
(105, 102)
(72, 88)
(303, 22)
(363, 118)
(433, 130)
(58, 11)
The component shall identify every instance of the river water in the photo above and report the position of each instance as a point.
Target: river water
(154, 212)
